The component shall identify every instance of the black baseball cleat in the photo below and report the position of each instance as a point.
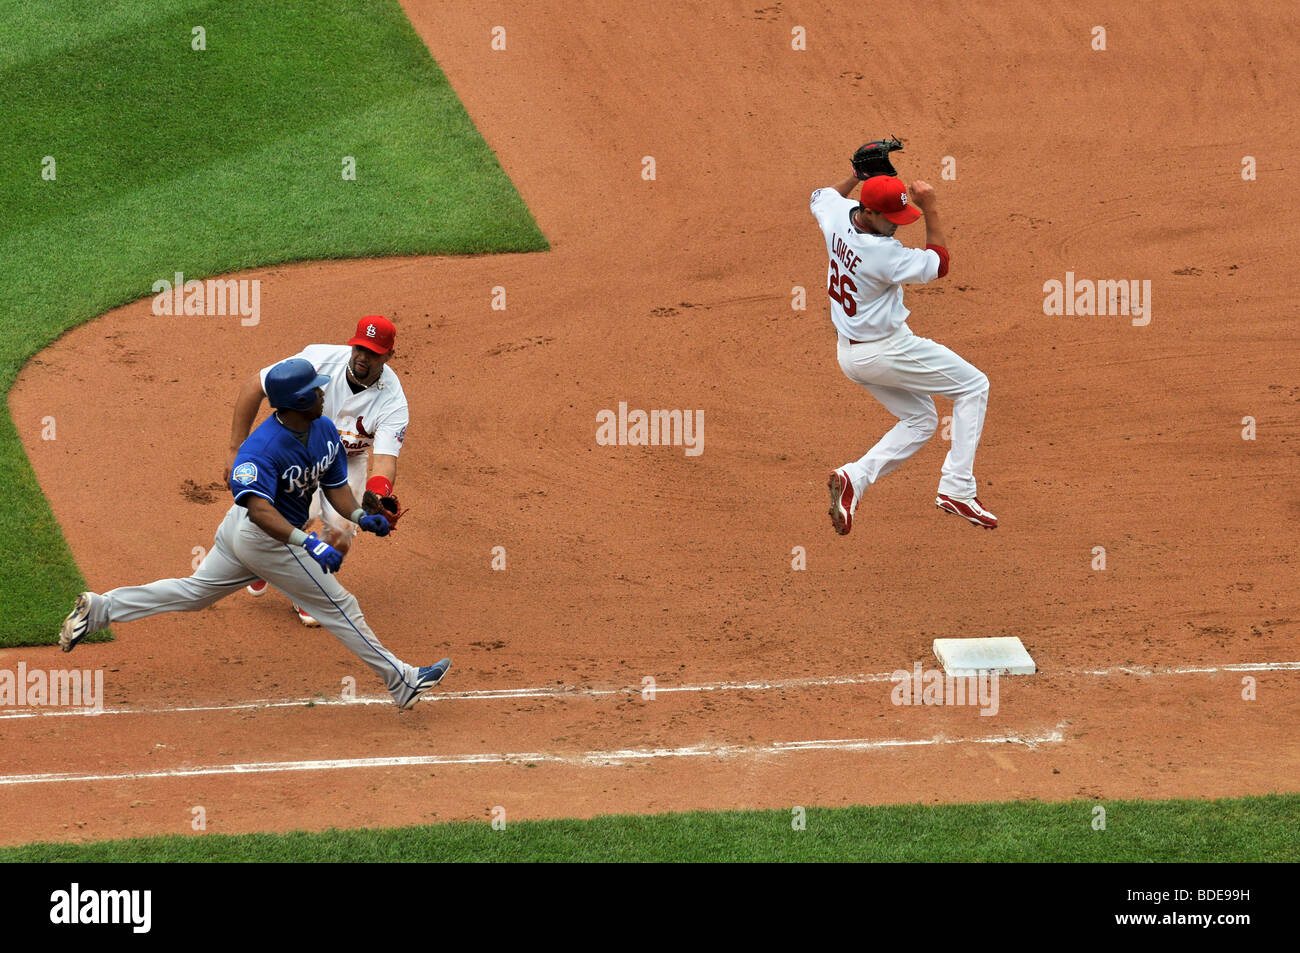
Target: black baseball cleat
(77, 625)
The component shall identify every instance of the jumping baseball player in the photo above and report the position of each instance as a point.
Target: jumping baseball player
(274, 477)
(868, 268)
(365, 400)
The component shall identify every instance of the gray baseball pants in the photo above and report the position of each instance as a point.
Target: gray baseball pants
(240, 554)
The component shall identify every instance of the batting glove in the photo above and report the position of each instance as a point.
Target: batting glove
(375, 523)
(330, 559)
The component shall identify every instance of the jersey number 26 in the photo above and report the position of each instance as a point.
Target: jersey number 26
(842, 289)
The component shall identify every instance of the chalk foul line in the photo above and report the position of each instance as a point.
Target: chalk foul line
(589, 759)
(573, 691)
(493, 694)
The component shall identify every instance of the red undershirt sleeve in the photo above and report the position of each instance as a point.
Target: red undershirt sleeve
(943, 258)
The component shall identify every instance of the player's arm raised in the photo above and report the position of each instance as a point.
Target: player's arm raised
(935, 238)
(924, 197)
(847, 186)
(246, 404)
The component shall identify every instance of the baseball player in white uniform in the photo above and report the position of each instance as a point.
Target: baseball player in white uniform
(868, 268)
(364, 398)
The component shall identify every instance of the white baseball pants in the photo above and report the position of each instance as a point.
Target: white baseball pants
(320, 509)
(902, 371)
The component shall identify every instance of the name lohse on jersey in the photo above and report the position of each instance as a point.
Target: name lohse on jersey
(867, 271)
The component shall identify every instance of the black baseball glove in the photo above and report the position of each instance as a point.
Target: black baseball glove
(873, 158)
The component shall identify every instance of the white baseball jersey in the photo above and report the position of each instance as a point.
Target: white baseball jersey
(376, 418)
(867, 271)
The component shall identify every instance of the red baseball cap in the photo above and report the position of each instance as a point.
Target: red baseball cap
(888, 196)
(375, 333)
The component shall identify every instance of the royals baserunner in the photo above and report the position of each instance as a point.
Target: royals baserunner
(274, 476)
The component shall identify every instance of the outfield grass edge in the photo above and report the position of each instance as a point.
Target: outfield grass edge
(1257, 828)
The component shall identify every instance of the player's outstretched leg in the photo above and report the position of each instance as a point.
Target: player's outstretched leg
(917, 420)
(338, 611)
(290, 569)
(218, 575)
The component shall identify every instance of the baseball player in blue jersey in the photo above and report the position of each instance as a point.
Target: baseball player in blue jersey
(274, 477)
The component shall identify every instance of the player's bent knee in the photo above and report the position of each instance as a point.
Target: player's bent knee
(925, 424)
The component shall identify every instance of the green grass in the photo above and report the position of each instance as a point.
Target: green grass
(1237, 830)
(169, 159)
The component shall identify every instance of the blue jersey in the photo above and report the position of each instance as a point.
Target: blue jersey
(273, 464)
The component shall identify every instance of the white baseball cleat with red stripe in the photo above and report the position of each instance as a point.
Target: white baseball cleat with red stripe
(257, 588)
(970, 509)
(843, 501)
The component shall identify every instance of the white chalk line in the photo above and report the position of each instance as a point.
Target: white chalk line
(568, 691)
(587, 759)
(495, 694)
(1192, 670)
